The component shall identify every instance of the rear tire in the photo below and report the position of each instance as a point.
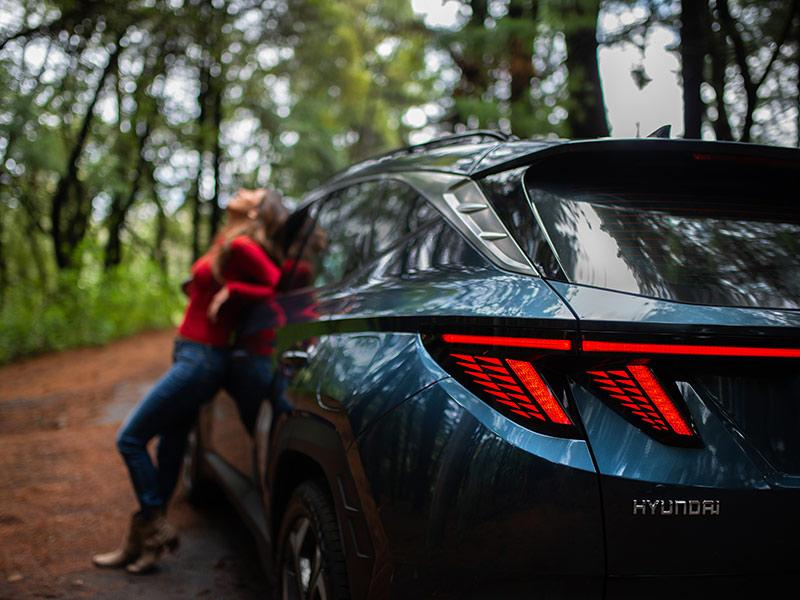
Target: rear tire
(311, 561)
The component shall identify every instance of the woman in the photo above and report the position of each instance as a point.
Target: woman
(250, 375)
(200, 362)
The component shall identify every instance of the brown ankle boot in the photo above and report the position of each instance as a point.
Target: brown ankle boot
(158, 536)
(129, 550)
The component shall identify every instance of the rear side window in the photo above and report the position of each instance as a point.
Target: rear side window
(344, 224)
(693, 228)
(401, 211)
(356, 224)
(435, 246)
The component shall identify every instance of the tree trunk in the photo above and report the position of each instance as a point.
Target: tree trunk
(197, 201)
(722, 124)
(587, 115)
(158, 253)
(693, 54)
(113, 252)
(739, 51)
(520, 66)
(717, 52)
(3, 259)
(473, 81)
(751, 85)
(216, 210)
(797, 62)
(37, 256)
(121, 207)
(67, 231)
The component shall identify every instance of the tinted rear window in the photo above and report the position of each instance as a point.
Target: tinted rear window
(689, 227)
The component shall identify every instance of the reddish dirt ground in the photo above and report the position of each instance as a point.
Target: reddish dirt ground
(64, 491)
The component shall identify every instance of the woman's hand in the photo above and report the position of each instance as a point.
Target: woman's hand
(216, 303)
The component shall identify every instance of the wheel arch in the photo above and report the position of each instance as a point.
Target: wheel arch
(307, 447)
(293, 469)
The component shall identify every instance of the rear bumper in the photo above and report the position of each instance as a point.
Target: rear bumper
(687, 588)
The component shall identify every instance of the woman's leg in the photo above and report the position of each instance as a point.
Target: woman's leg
(171, 447)
(249, 382)
(169, 411)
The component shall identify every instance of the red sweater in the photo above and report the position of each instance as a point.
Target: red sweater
(196, 325)
(257, 286)
(300, 272)
(250, 276)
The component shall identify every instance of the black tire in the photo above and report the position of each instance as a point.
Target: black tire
(197, 488)
(311, 562)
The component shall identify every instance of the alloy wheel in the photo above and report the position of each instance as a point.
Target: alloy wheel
(303, 571)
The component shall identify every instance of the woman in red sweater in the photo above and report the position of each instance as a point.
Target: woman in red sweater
(250, 374)
(200, 363)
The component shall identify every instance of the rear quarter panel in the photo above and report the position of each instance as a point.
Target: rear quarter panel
(470, 508)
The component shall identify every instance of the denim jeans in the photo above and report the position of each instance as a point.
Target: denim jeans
(169, 410)
(249, 382)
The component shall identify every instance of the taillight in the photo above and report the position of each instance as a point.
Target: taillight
(515, 385)
(509, 342)
(528, 378)
(636, 393)
(506, 373)
(689, 350)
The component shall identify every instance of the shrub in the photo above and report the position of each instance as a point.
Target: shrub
(87, 308)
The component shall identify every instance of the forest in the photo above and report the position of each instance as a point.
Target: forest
(125, 127)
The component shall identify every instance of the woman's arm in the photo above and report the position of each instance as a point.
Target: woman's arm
(249, 275)
(249, 272)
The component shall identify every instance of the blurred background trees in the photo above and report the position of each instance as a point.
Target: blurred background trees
(124, 127)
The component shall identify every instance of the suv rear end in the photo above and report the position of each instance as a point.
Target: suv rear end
(552, 384)
(681, 264)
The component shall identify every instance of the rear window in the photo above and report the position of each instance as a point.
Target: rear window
(722, 230)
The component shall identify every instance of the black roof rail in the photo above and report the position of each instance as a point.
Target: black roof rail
(451, 140)
(455, 138)
(441, 142)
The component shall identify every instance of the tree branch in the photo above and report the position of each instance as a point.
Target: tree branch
(779, 42)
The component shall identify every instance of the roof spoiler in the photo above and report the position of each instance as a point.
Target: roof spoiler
(496, 162)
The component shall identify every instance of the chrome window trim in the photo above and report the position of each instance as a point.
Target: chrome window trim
(463, 205)
(540, 223)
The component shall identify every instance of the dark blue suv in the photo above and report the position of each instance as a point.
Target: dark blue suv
(530, 369)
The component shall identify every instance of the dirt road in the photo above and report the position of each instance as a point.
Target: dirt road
(64, 491)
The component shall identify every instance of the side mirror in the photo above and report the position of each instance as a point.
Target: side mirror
(294, 359)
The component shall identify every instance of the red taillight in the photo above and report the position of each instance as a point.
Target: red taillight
(689, 349)
(637, 393)
(528, 379)
(653, 390)
(539, 390)
(513, 387)
(509, 342)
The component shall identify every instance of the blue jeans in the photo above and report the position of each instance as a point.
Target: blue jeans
(169, 410)
(249, 382)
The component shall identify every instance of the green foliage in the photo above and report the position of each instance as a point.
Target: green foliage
(87, 308)
(124, 126)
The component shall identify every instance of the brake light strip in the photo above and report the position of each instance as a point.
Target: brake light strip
(513, 342)
(689, 349)
(622, 347)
